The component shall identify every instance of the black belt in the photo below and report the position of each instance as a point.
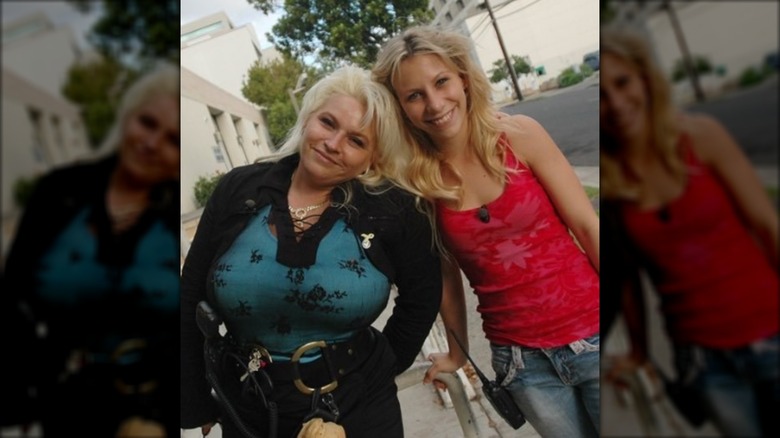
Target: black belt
(338, 359)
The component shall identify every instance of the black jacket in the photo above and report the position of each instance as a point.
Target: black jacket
(401, 249)
(58, 197)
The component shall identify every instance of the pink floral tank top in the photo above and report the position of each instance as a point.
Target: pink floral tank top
(535, 286)
(717, 287)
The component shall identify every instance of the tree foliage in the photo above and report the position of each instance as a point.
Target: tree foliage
(345, 30)
(268, 85)
(204, 187)
(130, 35)
(701, 65)
(500, 72)
(140, 28)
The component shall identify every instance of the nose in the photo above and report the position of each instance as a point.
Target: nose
(153, 140)
(611, 101)
(334, 141)
(435, 103)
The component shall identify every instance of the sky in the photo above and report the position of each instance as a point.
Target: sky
(61, 14)
(240, 13)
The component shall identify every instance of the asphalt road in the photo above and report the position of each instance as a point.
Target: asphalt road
(750, 115)
(572, 119)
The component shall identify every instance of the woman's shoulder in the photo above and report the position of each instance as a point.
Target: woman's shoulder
(517, 124)
(248, 171)
(696, 124)
(704, 133)
(521, 129)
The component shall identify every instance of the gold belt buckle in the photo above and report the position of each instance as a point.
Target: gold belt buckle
(296, 358)
(126, 347)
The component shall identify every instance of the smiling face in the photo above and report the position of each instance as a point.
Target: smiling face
(335, 146)
(149, 149)
(432, 96)
(624, 108)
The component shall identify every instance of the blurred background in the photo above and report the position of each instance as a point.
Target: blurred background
(732, 50)
(64, 66)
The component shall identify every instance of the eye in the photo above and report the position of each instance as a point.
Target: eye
(174, 140)
(147, 121)
(413, 96)
(327, 121)
(358, 141)
(622, 81)
(442, 81)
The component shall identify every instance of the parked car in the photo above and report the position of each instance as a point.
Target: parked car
(592, 60)
(771, 61)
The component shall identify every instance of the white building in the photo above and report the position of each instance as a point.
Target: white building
(214, 49)
(554, 35)
(732, 35)
(221, 129)
(40, 128)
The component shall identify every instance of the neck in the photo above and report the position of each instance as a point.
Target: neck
(456, 148)
(123, 188)
(303, 193)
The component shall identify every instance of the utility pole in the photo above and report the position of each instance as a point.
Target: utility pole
(509, 64)
(687, 61)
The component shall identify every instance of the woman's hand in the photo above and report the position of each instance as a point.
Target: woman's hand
(622, 367)
(206, 428)
(442, 363)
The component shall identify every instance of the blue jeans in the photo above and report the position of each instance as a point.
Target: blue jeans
(740, 388)
(557, 389)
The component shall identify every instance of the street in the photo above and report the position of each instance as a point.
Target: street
(571, 117)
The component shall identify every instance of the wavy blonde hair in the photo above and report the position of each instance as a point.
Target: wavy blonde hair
(616, 180)
(454, 49)
(381, 115)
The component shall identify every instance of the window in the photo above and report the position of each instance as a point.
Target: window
(218, 156)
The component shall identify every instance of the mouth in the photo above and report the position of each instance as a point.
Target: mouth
(325, 157)
(439, 121)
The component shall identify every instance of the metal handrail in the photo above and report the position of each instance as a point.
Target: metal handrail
(460, 401)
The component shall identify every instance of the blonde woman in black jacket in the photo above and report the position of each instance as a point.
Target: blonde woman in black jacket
(305, 247)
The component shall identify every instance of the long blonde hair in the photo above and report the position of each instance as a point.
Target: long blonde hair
(616, 181)
(454, 49)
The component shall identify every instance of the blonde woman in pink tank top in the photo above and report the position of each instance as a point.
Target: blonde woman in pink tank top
(682, 202)
(511, 213)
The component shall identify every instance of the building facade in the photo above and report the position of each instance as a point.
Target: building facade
(732, 36)
(553, 35)
(41, 130)
(221, 129)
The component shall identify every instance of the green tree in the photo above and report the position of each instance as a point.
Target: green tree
(701, 65)
(135, 28)
(345, 30)
(130, 35)
(607, 11)
(204, 187)
(500, 72)
(269, 84)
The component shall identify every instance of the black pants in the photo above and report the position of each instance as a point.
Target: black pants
(367, 399)
(89, 405)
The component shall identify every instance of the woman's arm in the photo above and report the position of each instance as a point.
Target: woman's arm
(533, 144)
(198, 408)
(718, 149)
(453, 314)
(418, 279)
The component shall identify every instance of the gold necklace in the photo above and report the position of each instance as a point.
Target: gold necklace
(300, 213)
